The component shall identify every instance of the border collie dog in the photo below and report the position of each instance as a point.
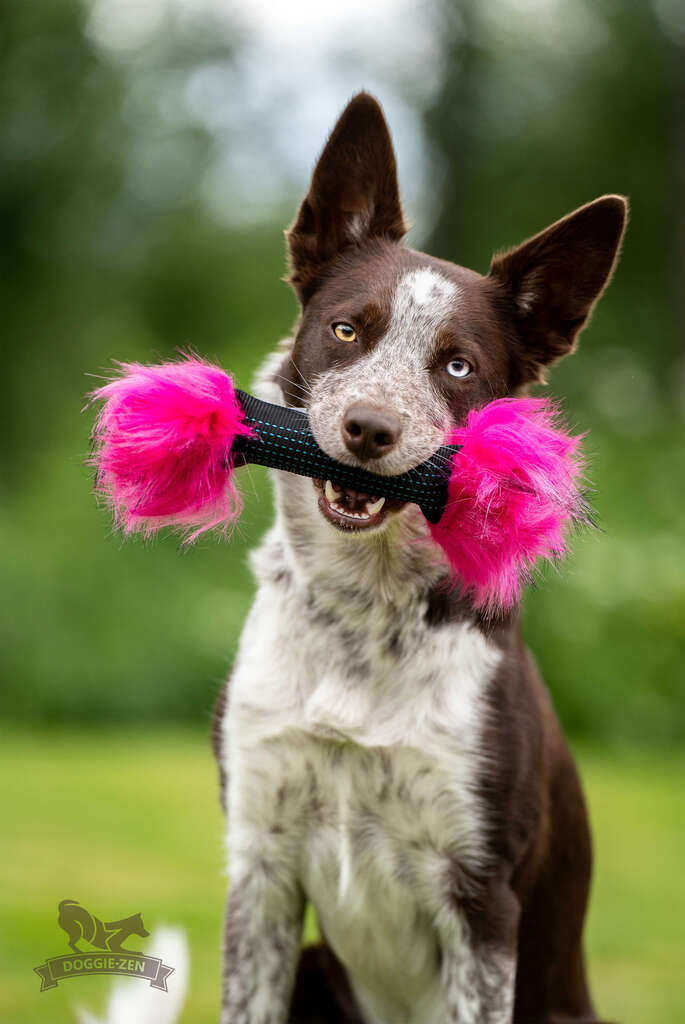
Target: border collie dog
(386, 753)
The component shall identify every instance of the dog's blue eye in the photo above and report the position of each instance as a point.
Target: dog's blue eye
(459, 368)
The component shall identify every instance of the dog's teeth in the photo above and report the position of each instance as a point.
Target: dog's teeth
(331, 493)
(349, 513)
(376, 507)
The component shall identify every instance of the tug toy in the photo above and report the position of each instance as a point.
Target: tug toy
(498, 495)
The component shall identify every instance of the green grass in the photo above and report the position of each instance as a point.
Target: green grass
(130, 822)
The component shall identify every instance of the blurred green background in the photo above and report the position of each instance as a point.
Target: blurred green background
(151, 155)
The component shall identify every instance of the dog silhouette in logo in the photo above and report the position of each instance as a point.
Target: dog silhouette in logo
(81, 926)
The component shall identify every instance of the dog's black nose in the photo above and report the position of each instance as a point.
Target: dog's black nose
(370, 433)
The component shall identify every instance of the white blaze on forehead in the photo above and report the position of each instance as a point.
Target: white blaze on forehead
(422, 300)
(426, 287)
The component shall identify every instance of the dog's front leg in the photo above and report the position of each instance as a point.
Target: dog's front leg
(478, 942)
(261, 942)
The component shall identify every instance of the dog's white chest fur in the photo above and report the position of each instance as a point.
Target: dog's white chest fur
(353, 740)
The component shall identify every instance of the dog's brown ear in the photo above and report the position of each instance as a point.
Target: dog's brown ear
(353, 195)
(555, 278)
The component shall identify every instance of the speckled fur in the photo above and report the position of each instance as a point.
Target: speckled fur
(352, 748)
(394, 374)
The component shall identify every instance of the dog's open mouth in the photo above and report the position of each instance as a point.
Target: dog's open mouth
(353, 510)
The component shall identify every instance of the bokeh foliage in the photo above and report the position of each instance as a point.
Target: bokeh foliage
(110, 252)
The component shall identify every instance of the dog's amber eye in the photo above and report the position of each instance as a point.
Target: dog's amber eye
(459, 368)
(344, 332)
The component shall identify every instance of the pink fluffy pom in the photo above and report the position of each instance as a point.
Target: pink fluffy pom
(513, 490)
(162, 443)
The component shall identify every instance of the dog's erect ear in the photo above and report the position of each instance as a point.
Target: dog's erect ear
(353, 195)
(555, 278)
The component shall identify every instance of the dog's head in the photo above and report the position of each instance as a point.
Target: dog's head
(394, 347)
(136, 926)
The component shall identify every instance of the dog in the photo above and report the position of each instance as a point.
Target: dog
(385, 753)
(82, 926)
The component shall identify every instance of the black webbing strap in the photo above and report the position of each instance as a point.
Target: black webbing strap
(284, 440)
